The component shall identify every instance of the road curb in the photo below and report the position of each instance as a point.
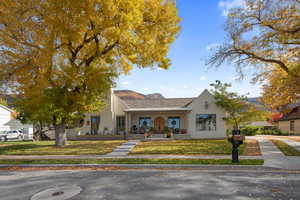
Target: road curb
(158, 166)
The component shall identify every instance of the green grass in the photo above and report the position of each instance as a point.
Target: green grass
(48, 148)
(286, 149)
(209, 147)
(135, 161)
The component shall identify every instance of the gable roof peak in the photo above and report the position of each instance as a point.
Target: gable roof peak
(205, 92)
(6, 108)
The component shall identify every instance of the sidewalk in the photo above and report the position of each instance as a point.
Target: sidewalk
(274, 157)
(57, 157)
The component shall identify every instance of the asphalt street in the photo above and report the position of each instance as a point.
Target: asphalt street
(150, 184)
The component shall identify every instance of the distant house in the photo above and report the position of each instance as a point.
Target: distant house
(197, 117)
(7, 122)
(290, 123)
(5, 116)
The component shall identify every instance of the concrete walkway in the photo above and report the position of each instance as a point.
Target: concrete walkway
(274, 157)
(124, 148)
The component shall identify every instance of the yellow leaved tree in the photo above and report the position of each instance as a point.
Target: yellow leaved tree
(280, 90)
(62, 56)
(265, 35)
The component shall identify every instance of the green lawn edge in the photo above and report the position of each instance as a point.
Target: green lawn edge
(85, 147)
(135, 161)
(286, 149)
(186, 147)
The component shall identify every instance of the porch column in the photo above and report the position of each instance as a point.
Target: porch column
(128, 121)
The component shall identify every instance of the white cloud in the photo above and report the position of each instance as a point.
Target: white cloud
(162, 87)
(226, 5)
(172, 90)
(160, 69)
(125, 83)
(202, 78)
(185, 86)
(234, 78)
(146, 89)
(212, 46)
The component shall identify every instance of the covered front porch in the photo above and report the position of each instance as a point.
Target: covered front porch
(139, 121)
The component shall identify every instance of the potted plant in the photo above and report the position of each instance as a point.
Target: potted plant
(105, 131)
(148, 132)
(152, 130)
(168, 132)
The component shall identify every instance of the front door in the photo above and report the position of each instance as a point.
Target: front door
(95, 122)
(159, 124)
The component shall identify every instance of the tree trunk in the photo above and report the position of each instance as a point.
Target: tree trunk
(60, 135)
(38, 134)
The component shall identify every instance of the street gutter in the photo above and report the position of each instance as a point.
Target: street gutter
(252, 168)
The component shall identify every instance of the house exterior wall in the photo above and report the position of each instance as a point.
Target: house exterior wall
(7, 122)
(5, 116)
(198, 107)
(284, 126)
(115, 107)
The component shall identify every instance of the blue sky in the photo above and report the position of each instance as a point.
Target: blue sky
(202, 28)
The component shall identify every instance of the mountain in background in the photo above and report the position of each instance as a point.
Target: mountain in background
(129, 94)
(255, 100)
(155, 96)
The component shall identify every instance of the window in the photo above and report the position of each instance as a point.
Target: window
(95, 122)
(292, 125)
(145, 122)
(120, 123)
(205, 105)
(174, 122)
(206, 122)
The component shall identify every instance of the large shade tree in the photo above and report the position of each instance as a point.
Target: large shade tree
(63, 56)
(265, 34)
(280, 90)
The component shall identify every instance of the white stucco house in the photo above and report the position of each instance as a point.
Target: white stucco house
(5, 116)
(7, 122)
(197, 117)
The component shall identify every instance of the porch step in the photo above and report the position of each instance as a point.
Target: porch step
(157, 139)
(99, 137)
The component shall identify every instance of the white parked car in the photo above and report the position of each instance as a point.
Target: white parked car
(11, 135)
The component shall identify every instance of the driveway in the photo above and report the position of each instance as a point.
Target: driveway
(273, 157)
(150, 184)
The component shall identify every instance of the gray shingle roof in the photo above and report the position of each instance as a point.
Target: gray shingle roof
(159, 103)
(294, 114)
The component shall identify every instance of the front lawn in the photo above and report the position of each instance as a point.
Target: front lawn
(286, 149)
(135, 161)
(204, 147)
(47, 148)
